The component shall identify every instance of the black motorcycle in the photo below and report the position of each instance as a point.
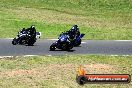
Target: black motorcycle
(26, 38)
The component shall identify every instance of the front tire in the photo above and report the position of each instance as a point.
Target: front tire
(14, 42)
(53, 47)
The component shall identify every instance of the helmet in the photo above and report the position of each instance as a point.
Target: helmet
(75, 28)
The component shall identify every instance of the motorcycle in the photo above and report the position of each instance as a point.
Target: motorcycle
(62, 43)
(24, 38)
(77, 39)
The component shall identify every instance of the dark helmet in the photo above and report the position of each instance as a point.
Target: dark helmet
(75, 28)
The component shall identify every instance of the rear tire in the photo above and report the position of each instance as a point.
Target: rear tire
(66, 46)
(31, 42)
(70, 47)
(78, 43)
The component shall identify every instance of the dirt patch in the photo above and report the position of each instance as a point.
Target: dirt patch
(59, 70)
(44, 70)
(100, 68)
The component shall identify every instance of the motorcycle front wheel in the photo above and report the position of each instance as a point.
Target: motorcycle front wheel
(53, 47)
(31, 42)
(14, 42)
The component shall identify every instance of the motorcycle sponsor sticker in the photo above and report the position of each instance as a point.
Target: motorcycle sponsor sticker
(83, 78)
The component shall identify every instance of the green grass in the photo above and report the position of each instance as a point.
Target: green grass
(99, 19)
(60, 71)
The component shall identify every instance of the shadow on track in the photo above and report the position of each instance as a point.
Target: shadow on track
(63, 50)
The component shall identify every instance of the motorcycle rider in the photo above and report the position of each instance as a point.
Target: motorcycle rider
(32, 31)
(26, 36)
(75, 28)
(73, 33)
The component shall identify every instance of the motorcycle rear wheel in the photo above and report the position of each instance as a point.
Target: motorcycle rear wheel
(31, 42)
(66, 47)
(78, 43)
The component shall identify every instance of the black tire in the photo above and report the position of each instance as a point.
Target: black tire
(14, 42)
(69, 48)
(66, 47)
(81, 80)
(78, 43)
(31, 42)
(53, 47)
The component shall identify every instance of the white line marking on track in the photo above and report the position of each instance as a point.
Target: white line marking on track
(49, 55)
(83, 42)
(29, 55)
(18, 56)
(52, 39)
(120, 55)
(8, 38)
(125, 55)
(6, 56)
(114, 55)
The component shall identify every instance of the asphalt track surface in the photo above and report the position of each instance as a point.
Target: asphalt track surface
(41, 47)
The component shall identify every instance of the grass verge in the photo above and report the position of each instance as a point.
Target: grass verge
(60, 71)
(98, 19)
